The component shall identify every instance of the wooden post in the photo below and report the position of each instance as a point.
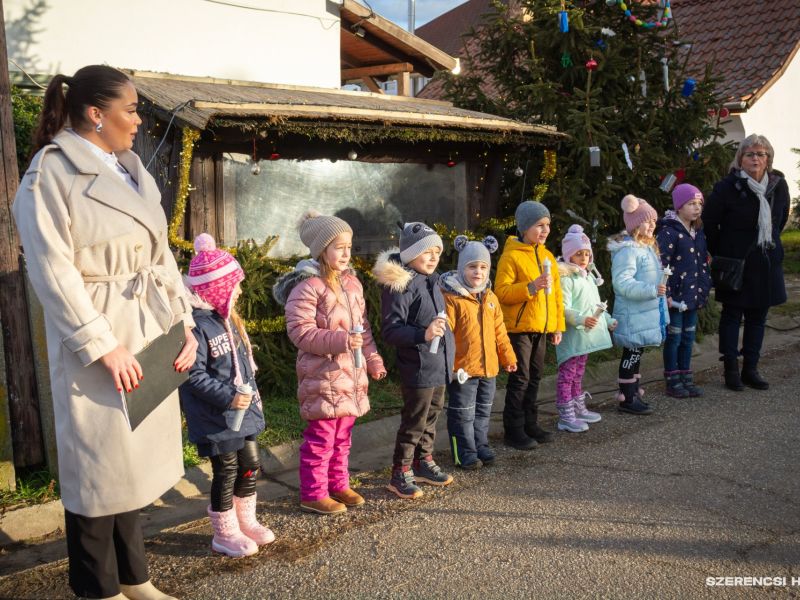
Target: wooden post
(8, 477)
(23, 404)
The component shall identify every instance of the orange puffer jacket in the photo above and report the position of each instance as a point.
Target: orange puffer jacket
(482, 344)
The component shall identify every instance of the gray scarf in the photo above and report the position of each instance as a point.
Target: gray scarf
(759, 188)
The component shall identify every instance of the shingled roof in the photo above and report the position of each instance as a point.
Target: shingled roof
(750, 44)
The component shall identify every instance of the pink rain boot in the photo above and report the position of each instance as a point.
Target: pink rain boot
(248, 524)
(228, 538)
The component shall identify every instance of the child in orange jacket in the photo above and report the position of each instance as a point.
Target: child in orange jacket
(529, 290)
(482, 345)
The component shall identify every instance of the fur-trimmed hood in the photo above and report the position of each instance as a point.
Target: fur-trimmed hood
(305, 269)
(622, 240)
(450, 284)
(565, 269)
(390, 272)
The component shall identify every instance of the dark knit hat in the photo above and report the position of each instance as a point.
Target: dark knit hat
(528, 213)
(317, 231)
(415, 238)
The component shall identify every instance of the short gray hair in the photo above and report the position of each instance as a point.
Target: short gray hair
(754, 139)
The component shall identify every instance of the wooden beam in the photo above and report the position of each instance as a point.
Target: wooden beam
(372, 85)
(390, 69)
(404, 84)
(21, 398)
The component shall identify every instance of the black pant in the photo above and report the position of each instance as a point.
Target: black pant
(234, 473)
(523, 384)
(755, 320)
(104, 552)
(417, 433)
(629, 364)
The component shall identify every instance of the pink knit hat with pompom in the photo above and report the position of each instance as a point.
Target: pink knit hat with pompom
(213, 274)
(636, 211)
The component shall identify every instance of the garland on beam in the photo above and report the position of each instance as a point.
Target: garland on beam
(190, 136)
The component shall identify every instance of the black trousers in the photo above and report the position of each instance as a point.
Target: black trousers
(755, 321)
(104, 552)
(629, 363)
(417, 433)
(234, 473)
(523, 384)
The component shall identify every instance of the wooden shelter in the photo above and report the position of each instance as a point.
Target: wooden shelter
(263, 153)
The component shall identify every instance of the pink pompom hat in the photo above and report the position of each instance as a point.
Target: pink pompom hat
(213, 274)
(574, 240)
(636, 211)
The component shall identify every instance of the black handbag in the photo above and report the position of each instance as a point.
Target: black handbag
(728, 273)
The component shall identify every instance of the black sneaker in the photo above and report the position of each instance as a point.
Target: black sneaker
(542, 436)
(427, 471)
(402, 483)
(519, 440)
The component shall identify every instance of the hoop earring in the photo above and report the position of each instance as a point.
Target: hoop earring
(99, 128)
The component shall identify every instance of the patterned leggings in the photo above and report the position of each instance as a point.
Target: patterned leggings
(570, 378)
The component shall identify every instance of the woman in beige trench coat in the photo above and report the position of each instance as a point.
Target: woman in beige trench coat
(95, 242)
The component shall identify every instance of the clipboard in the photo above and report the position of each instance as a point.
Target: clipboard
(160, 380)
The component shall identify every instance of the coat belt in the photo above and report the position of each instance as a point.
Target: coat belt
(149, 288)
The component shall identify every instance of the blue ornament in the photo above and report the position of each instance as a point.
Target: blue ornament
(563, 21)
(688, 87)
(600, 44)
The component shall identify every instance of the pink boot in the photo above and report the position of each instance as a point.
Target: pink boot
(249, 525)
(228, 538)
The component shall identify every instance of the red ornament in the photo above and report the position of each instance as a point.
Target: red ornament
(591, 64)
(680, 175)
(274, 156)
(451, 163)
(724, 113)
(712, 112)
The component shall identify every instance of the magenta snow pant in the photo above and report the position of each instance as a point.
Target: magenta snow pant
(324, 456)
(570, 379)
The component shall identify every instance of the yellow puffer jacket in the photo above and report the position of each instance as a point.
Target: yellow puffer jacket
(482, 344)
(522, 312)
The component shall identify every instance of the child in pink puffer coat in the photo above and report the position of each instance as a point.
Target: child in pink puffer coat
(325, 309)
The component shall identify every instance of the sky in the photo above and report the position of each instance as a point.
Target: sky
(397, 10)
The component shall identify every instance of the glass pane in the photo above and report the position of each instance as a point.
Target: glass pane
(371, 197)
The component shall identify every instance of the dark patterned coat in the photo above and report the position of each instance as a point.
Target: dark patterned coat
(687, 256)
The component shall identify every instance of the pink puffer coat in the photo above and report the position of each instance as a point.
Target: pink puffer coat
(318, 323)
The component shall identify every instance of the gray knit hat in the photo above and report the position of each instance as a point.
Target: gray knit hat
(317, 231)
(415, 238)
(528, 213)
(470, 252)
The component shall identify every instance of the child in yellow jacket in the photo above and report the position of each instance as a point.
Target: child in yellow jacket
(529, 290)
(482, 346)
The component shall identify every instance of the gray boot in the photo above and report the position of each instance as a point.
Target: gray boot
(675, 387)
(687, 377)
(567, 420)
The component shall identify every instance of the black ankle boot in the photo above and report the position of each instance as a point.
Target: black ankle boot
(518, 439)
(732, 379)
(751, 377)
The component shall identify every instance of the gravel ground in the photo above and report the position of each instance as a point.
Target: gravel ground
(637, 507)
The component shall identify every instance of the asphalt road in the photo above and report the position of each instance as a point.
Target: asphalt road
(638, 507)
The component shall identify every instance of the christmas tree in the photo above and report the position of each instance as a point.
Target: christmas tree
(612, 77)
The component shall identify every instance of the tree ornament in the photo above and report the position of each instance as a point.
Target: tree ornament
(274, 156)
(661, 21)
(591, 65)
(608, 32)
(352, 155)
(594, 156)
(255, 169)
(566, 60)
(643, 81)
(627, 155)
(668, 182)
(611, 2)
(600, 44)
(688, 87)
(665, 72)
(519, 172)
(451, 163)
(563, 18)
(724, 113)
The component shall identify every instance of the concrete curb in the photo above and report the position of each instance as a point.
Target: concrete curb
(372, 443)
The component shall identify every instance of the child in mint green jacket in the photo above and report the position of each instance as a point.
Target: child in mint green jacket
(585, 332)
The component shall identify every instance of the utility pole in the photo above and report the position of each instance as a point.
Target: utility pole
(412, 15)
(19, 398)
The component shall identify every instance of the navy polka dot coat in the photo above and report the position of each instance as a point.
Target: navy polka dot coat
(687, 256)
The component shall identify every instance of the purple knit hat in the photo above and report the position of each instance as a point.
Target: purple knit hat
(573, 241)
(213, 274)
(684, 193)
(636, 211)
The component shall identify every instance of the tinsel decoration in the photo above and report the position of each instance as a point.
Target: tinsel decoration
(190, 136)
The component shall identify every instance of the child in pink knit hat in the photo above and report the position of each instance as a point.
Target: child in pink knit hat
(222, 406)
(640, 307)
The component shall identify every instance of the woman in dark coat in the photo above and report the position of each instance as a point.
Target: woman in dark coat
(744, 217)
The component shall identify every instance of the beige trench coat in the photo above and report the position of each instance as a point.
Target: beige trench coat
(98, 259)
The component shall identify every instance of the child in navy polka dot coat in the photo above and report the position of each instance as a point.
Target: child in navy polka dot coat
(683, 249)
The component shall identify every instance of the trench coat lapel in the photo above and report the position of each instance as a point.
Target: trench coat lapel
(109, 189)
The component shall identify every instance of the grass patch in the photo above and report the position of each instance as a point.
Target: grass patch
(788, 309)
(791, 248)
(33, 487)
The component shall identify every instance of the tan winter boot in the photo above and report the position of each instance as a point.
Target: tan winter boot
(325, 506)
(143, 591)
(348, 497)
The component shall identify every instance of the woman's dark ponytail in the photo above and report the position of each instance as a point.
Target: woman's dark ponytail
(53, 115)
(95, 85)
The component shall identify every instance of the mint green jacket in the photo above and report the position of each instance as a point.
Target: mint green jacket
(581, 296)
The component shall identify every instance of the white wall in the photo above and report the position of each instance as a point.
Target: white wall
(776, 115)
(272, 41)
